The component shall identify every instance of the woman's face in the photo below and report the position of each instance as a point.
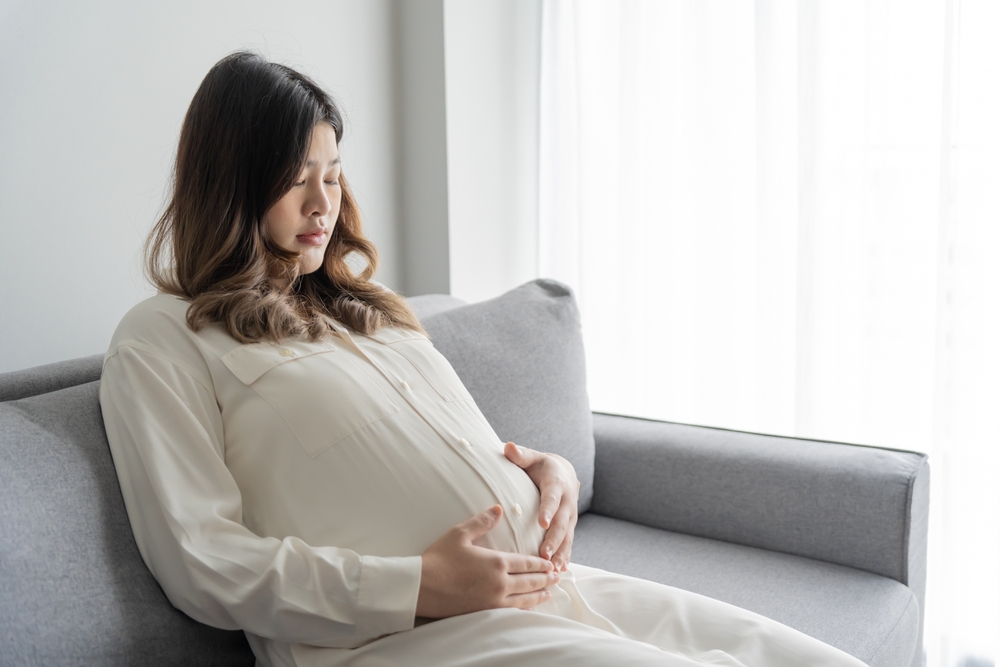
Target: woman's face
(303, 219)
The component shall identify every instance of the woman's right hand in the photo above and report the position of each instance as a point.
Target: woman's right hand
(457, 577)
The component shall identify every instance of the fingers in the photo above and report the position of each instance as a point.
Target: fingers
(559, 528)
(560, 559)
(529, 585)
(480, 524)
(553, 540)
(521, 456)
(528, 600)
(532, 582)
(551, 498)
(527, 590)
(521, 564)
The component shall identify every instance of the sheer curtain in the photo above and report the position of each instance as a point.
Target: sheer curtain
(784, 217)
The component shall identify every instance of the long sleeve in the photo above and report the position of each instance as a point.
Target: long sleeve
(166, 436)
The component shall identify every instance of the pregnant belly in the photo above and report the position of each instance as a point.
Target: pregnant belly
(391, 490)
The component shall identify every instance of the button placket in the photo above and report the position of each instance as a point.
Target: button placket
(499, 488)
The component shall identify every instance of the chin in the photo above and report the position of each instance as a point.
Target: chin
(306, 268)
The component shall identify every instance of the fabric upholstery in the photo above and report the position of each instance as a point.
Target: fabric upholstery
(42, 379)
(75, 589)
(844, 504)
(521, 357)
(871, 617)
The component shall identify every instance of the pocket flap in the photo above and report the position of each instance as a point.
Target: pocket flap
(249, 362)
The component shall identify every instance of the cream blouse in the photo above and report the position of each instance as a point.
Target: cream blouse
(290, 489)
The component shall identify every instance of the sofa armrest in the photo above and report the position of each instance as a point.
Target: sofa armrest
(852, 505)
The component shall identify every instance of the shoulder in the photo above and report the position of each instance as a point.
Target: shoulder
(159, 318)
(157, 309)
(158, 326)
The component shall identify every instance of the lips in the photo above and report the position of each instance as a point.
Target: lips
(315, 237)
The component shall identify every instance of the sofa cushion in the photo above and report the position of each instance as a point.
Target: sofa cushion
(521, 357)
(75, 589)
(874, 618)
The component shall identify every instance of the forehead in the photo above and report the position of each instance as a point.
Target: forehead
(323, 148)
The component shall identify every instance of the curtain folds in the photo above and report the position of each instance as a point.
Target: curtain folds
(783, 217)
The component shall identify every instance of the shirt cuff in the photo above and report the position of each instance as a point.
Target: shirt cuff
(387, 595)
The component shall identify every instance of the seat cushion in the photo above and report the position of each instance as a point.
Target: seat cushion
(75, 589)
(521, 357)
(873, 618)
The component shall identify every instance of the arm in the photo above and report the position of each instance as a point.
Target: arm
(165, 433)
(858, 506)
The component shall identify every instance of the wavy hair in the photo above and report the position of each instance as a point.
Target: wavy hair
(244, 141)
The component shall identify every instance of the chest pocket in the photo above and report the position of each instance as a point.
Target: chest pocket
(426, 360)
(323, 394)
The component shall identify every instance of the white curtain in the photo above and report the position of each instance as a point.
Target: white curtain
(784, 217)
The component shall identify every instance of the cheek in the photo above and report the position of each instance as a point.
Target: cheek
(335, 204)
(280, 226)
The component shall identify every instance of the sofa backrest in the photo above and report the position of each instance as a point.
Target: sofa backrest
(50, 377)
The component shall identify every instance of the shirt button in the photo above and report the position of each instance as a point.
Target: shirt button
(517, 509)
(285, 352)
(465, 443)
(405, 386)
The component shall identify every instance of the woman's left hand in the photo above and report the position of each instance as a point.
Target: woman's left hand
(559, 488)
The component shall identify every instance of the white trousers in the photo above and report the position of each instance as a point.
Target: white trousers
(597, 619)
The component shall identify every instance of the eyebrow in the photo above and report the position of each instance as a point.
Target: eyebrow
(312, 163)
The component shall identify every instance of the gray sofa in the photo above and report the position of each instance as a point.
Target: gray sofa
(829, 538)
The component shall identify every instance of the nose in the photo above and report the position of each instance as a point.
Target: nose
(318, 203)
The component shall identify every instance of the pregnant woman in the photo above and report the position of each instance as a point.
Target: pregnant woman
(299, 462)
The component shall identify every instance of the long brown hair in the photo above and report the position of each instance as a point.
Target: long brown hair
(243, 143)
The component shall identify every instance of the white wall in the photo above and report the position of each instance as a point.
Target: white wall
(441, 101)
(92, 96)
(492, 56)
